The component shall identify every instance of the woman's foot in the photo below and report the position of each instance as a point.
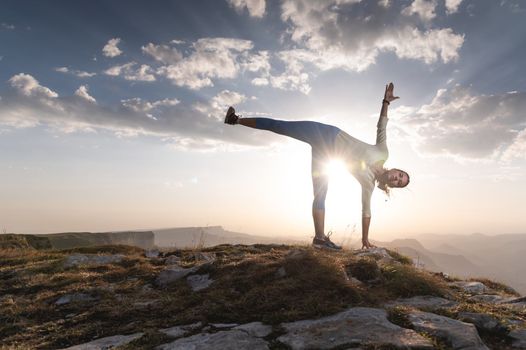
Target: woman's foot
(367, 245)
(231, 117)
(325, 243)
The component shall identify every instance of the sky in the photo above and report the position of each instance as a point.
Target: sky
(111, 113)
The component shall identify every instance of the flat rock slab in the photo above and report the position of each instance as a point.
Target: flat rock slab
(172, 274)
(225, 340)
(459, 335)
(518, 337)
(382, 252)
(255, 329)
(488, 298)
(179, 331)
(106, 343)
(482, 321)
(74, 298)
(92, 259)
(471, 287)
(199, 282)
(423, 302)
(355, 326)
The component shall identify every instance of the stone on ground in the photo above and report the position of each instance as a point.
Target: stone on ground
(106, 343)
(225, 340)
(471, 287)
(423, 302)
(255, 329)
(457, 334)
(179, 331)
(172, 274)
(199, 282)
(74, 298)
(92, 259)
(482, 321)
(518, 337)
(355, 326)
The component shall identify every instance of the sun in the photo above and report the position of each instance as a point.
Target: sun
(336, 170)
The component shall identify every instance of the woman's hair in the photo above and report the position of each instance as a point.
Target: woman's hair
(385, 187)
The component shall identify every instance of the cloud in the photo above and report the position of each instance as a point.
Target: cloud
(129, 72)
(211, 58)
(423, 8)
(463, 125)
(111, 49)
(82, 92)
(27, 103)
(256, 8)
(29, 86)
(350, 34)
(452, 6)
(78, 73)
(7, 26)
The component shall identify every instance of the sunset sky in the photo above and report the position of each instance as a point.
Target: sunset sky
(111, 113)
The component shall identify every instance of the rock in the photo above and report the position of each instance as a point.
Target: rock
(152, 253)
(92, 259)
(202, 257)
(295, 254)
(518, 338)
(107, 343)
(482, 321)
(199, 282)
(255, 329)
(224, 325)
(423, 302)
(224, 340)
(471, 287)
(459, 335)
(172, 260)
(142, 304)
(355, 326)
(517, 304)
(172, 274)
(179, 331)
(280, 273)
(384, 255)
(488, 298)
(74, 298)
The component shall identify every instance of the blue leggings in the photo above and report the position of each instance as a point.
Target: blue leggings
(320, 136)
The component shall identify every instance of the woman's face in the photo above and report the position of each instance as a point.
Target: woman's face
(397, 178)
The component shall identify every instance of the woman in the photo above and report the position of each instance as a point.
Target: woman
(364, 161)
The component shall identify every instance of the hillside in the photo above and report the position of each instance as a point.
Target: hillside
(247, 297)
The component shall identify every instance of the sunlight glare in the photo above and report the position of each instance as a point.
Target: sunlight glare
(336, 170)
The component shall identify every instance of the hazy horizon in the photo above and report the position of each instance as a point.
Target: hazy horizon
(111, 113)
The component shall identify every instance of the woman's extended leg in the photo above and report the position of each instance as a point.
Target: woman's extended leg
(318, 135)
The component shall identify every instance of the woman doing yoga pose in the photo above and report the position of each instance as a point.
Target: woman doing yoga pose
(364, 161)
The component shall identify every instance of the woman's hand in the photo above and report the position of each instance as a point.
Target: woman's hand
(389, 96)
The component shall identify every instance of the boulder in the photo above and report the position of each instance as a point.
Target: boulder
(255, 329)
(179, 331)
(384, 255)
(224, 340)
(457, 334)
(518, 338)
(471, 287)
(199, 282)
(483, 322)
(172, 274)
(423, 302)
(74, 298)
(92, 259)
(355, 326)
(106, 343)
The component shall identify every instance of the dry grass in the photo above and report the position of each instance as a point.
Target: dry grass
(268, 283)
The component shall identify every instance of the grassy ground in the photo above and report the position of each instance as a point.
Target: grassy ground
(268, 283)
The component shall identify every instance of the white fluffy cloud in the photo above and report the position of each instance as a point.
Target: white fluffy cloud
(423, 8)
(82, 92)
(461, 124)
(111, 49)
(27, 103)
(29, 86)
(452, 6)
(211, 58)
(129, 72)
(78, 73)
(350, 34)
(256, 8)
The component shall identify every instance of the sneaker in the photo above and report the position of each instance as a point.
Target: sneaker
(325, 243)
(231, 117)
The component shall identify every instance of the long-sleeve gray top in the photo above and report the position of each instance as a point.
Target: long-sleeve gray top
(360, 158)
